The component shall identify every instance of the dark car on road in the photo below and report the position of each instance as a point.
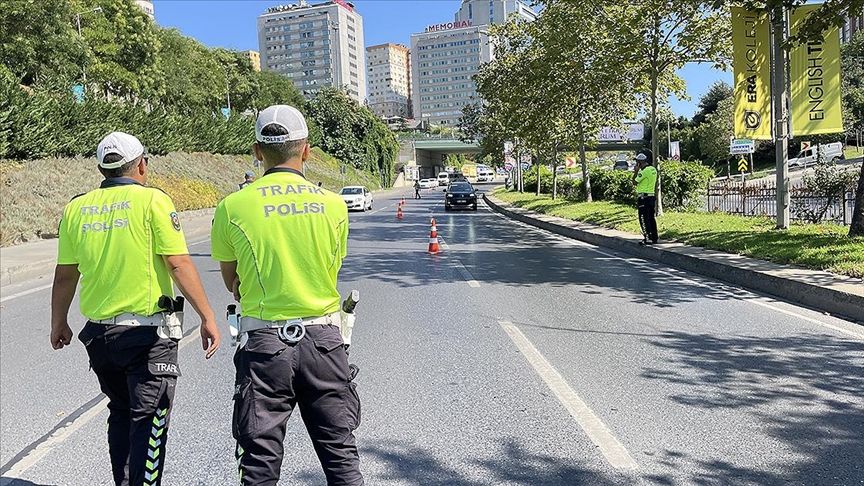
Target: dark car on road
(460, 194)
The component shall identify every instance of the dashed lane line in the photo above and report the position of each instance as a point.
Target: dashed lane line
(611, 448)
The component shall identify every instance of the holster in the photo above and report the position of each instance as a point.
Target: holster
(173, 327)
(347, 326)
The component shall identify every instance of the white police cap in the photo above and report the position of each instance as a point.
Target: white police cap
(126, 146)
(286, 117)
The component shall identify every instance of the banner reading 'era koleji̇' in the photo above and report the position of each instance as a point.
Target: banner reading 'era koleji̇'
(751, 51)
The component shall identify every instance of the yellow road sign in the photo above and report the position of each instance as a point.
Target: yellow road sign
(742, 165)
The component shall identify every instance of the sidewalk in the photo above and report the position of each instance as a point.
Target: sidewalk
(827, 292)
(22, 262)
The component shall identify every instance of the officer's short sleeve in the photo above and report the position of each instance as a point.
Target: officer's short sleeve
(65, 244)
(220, 241)
(168, 238)
(640, 175)
(343, 235)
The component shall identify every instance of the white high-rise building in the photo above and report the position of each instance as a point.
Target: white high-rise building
(147, 7)
(443, 59)
(480, 12)
(446, 56)
(315, 45)
(388, 71)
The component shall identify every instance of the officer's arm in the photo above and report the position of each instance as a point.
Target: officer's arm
(186, 277)
(62, 293)
(230, 278)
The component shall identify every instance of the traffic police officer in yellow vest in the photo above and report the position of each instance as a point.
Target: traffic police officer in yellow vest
(125, 243)
(280, 243)
(645, 177)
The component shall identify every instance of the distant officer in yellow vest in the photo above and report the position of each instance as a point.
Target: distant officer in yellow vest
(645, 177)
(280, 243)
(125, 243)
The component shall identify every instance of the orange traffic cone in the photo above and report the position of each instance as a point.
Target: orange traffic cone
(433, 238)
(399, 211)
(403, 200)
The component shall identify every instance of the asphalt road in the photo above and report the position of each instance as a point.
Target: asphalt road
(513, 357)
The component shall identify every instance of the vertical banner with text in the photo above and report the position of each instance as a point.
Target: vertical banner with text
(814, 77)
(751, 55)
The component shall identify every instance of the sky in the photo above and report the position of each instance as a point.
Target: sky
(232, 24)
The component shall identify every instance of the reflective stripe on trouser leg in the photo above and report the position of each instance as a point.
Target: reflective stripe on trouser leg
(154, 460)
(238, 454)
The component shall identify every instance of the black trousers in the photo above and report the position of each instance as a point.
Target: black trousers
(137, 371)
(313, 374)
(646, 206)
(416, 193)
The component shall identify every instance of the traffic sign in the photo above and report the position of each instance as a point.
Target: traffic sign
(742, 165)
(741, 146)
(570, 162)
(805, 146)
(508, 166)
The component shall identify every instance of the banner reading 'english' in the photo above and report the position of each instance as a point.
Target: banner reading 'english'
(751, 62)
(814, 75)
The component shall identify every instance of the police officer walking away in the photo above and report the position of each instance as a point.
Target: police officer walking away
(280, 243)
(125, 243)
(645, 177)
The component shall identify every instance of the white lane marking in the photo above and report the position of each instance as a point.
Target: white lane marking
(381, 209)
(460, 267)
(739, 293)
(63, 433)
(26, 292)
(614, 452)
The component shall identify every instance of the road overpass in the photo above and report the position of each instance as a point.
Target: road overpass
(428, 153)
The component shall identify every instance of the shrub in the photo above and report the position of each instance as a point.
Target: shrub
(683, 183)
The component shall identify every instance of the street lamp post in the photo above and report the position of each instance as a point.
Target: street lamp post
(78, 25)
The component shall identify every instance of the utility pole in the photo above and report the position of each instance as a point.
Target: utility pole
(78, 24)
(781, 116)
(228, 92)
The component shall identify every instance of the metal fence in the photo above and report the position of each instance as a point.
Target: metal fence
(760, 199)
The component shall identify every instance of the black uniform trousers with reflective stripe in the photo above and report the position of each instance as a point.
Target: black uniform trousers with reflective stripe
(273, 377)
(137, 371)
(646, 205)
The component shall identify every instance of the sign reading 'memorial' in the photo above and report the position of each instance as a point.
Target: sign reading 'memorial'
(814, 76)
(751, 61)
(459, 24)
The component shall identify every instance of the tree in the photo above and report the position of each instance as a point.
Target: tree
(530, 84)
(666, 35)
(38, 40)
(718, 92)
(712, 136)
(123, 49)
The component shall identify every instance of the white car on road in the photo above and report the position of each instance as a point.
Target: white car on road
(357, 197)
(428, 183)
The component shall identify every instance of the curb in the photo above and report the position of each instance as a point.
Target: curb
(833, 301)
(43, 267)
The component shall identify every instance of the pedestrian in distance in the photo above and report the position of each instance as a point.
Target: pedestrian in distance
(645, 178)
(280, 244)
(125, 242)
(416, 189)
(248, 178)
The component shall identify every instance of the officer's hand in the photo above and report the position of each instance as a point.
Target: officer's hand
(61, 335)
(210, 338)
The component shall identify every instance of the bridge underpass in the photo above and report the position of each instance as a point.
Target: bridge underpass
(428, 155)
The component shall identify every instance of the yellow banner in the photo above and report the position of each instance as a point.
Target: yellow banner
(814, 76)
(751, 62)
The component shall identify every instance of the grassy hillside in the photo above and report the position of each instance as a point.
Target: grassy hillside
(33, 193)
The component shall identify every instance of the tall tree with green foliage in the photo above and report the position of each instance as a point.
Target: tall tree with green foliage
(38, 40)
(664, 36)
(710, 101)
